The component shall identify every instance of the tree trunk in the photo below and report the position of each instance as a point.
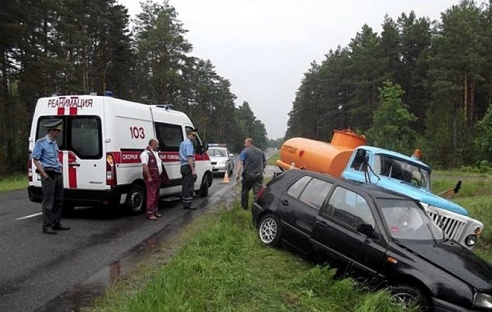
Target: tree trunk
(8, 111)
(465, 96)
(472, 102)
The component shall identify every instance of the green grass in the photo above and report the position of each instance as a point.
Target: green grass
(222, 266)
(13, 183)
(271, 161)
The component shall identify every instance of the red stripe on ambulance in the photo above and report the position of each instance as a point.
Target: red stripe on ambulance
(130, 157)
(169, 156)
(72, 170)
(73, 110)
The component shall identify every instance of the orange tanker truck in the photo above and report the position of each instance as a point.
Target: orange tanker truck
(348, 157)
(330, 158)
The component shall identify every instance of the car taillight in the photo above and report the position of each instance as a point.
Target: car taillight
(110, 170)
(29, 169)
(260, 192)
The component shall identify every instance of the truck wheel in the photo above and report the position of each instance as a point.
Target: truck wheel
(407, 296)
(135, 201)
(203, 192)
(269, 230)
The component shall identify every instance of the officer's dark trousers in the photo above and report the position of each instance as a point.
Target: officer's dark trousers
(187, 182)
(52, 202)
(250, 181)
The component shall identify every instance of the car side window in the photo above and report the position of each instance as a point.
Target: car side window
(315, 193)
(350, 208)
(296, 188)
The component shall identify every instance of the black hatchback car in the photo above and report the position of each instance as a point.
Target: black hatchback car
(373, 234)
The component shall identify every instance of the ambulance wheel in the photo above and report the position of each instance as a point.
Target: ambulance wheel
(203, 192)
(135, 201)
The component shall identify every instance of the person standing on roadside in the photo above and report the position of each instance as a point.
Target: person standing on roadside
(188, 172)
(252, 162)
(48, 165)
(152, 169)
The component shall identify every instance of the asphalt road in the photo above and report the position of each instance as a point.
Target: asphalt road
(40, 272)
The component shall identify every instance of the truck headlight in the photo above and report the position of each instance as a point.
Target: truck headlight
(471, 240)
(482, 300)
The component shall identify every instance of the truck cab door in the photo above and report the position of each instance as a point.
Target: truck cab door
(358, 167)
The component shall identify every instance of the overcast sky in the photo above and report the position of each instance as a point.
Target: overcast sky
(264, 47)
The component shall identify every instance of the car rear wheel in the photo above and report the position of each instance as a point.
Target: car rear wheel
(270, 230)
(230, 170)
(409, 296)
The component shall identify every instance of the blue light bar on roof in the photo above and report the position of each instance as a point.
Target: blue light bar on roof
(217, 145)
(165, 106)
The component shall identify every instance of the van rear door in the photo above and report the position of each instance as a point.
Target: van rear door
(81, 151)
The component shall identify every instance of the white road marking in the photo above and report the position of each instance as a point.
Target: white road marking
(30, 216)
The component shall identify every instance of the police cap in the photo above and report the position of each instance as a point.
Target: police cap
(53, 123)
(190, 130)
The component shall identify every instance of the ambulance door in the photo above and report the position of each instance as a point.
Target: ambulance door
(84, 166)
(80, 145)
(170, 137)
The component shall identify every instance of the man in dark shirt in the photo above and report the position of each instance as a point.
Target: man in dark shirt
(252, 162)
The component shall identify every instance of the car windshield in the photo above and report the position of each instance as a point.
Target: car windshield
(217, 152)
(405, 171)
(406, 221)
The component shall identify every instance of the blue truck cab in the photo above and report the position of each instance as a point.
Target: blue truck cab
(411, 177)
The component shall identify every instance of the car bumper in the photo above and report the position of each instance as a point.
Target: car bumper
(218, 169)
(84, 197)
(256, 212)
(444, 306)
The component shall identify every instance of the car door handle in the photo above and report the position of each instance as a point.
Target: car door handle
(285, 202)
(322, 223)
(74, 165)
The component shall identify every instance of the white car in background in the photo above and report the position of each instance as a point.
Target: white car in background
(221, 158)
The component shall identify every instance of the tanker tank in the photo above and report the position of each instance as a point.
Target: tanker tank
(330, 158)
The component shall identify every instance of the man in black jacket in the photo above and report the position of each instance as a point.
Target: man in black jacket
(252, 162)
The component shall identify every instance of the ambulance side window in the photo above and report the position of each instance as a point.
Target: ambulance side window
(169, 136)
(85, 137)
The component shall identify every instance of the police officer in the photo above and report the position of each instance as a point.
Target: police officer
(188, 172)
(45, 156)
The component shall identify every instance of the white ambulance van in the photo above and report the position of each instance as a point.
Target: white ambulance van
(100, 148)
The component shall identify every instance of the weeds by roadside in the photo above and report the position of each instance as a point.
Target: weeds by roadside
(13, 183)
(222, 266)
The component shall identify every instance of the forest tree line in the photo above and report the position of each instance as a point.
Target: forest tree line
(70, 47)
(418, 84)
